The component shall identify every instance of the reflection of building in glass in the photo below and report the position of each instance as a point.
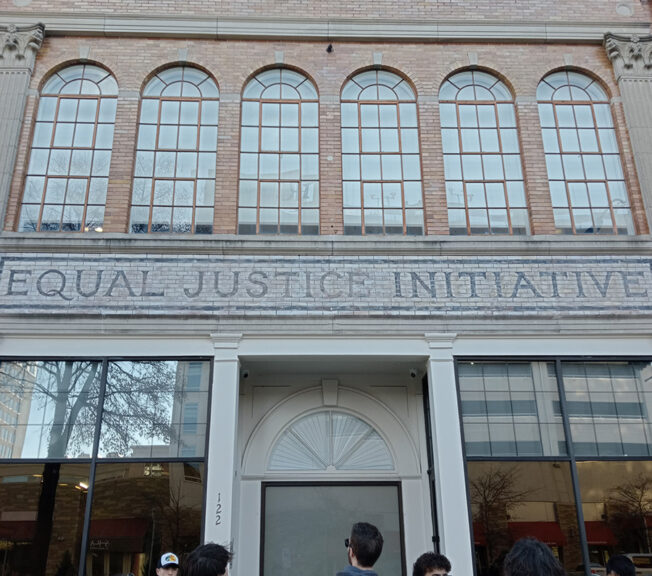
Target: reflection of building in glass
(15, 401)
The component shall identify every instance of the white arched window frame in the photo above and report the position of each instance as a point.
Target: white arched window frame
(381, 164)
(330, 440)
(174, 171)
(585, 174)
(68, 171)
(279, 155)
(482, 160)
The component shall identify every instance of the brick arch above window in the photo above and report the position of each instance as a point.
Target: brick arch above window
(67, 175)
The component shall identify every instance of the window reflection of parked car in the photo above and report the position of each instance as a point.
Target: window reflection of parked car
(643, 563)
(594, 568)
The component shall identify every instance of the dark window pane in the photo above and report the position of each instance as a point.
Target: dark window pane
(512, 500)
(141, 509)
(41, 517)
(617, 503)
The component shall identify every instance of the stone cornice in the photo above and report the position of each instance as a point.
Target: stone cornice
(19, 45)
(234, 245)
(323, 29)
(631, 56)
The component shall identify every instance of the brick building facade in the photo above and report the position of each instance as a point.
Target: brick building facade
(276, 267)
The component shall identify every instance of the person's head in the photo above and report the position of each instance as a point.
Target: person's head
(431, 564)
(529, 557)
(364, 545)
(620, 565)
(207, 560)
(167, 565)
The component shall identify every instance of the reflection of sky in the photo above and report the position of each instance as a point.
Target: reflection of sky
(40, 420)
(155, 430)
(41, 411)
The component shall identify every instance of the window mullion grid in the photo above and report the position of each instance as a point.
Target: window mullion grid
(362, 180)
(561, 164)
(279, 128)
(96, 123)
(300, 153)
(380, 157)
(572, 103)
(614, 226)
(483, 178)
(93, 467)
(467, 214)
(400, 156)
(501, 151)
(570, 447)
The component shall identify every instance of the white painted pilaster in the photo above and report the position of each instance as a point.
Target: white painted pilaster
(632, 61)
(450, 480)
(18, 48)
(223, 474)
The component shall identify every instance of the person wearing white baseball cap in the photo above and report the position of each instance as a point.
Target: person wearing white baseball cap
(167, 565)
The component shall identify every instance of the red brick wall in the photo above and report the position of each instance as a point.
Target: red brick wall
(532, 12)
(233, 62)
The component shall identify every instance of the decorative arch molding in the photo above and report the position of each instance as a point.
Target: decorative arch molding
(346, 401)
(330, 440)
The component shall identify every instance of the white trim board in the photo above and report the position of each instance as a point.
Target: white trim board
(93, 24)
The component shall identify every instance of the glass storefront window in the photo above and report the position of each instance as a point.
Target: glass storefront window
(511, 409)
(141, 510)
(41, 517)
(48, 409)
(617, 506)
(512, 500)
(155, 409)
(608, 407)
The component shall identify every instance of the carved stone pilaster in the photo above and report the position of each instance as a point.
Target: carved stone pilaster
(631, 58)
(18, 46)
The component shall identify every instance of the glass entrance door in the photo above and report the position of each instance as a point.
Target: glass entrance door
(304, 526)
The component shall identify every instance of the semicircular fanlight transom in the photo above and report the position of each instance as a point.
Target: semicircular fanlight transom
(330, 440)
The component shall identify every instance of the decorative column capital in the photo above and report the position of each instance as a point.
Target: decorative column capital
(19, 45)
(631, 56)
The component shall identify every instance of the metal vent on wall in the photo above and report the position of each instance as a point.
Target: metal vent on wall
(330, 441)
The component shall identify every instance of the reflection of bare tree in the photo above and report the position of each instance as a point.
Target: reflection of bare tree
(494, 494)
(628, 505)
(138, 404)
(179, 525)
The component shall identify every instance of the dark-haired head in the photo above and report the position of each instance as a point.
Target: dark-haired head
(206, 560)
(621, 566)
(366, 543)
(430, 561)
(529, 557)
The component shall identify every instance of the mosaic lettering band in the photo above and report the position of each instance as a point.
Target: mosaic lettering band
(273, 286)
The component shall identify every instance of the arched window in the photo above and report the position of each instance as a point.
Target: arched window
(68, 173)
(482, 160)
(381, 167)
(587, 184)
(174, 172)
(330, 440)
(279, 155)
